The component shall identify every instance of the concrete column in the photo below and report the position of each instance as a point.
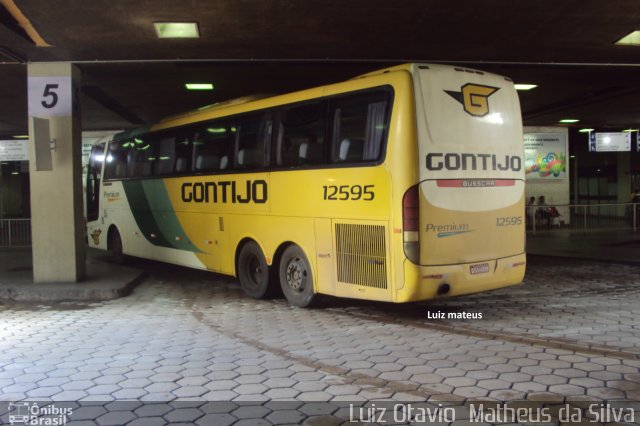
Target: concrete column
(57, 220)
(624, 177)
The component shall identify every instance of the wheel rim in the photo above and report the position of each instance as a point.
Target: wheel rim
(296, 275)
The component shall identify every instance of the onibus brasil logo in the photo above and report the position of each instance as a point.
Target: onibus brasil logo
(30, 413)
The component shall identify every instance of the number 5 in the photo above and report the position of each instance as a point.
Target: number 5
(48, 92)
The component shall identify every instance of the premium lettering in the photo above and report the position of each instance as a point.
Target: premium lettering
(225, 192)
(465, 161)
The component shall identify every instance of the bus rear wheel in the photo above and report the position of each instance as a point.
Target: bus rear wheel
(296, 278)
(253, 271)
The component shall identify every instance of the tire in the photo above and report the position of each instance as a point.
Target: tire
(253, 271)
(296, 278)
(115, 247)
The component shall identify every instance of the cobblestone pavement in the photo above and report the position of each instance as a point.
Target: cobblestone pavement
(188, 347)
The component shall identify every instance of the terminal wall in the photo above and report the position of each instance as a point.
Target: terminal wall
(556, 191)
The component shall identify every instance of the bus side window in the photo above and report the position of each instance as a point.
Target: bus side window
(301, 135)
(212, 146)
(184, 154)
(359, 127)
(165, 155)
(253, 135)
(138, 161)
(116, 160)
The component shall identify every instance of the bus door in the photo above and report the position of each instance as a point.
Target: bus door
(94, 169)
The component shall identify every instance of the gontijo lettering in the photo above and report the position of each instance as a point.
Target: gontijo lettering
(252, 191)
(455, 161)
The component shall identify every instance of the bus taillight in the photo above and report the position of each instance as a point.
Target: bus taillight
(411, 223)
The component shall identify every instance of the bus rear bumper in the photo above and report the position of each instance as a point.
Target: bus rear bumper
(430, 282)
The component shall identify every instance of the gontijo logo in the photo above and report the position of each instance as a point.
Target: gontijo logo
(474, 98)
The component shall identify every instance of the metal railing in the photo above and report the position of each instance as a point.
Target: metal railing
(583, 217)
(15, 232)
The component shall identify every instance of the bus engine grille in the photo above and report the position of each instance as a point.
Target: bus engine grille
(361, 255)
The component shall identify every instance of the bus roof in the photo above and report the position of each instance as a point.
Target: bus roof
(127, 134)
(219, 105)
(266, 101)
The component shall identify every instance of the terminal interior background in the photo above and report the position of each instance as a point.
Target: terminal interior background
(576, 53)
(570, 331)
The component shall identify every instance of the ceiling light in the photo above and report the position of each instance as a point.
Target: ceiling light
(631, 39)
(15, 173)
(21, 136)
(177, 29)
(525, 86)
(585, 130)
(568, 120)
(199, 86)
(630, 130)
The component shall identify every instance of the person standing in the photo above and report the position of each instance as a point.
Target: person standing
(529, 211)
(542, 212)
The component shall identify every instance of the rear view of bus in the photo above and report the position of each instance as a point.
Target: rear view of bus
(464, 222)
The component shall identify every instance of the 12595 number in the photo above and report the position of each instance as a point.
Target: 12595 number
(509, 221)
(348, 192)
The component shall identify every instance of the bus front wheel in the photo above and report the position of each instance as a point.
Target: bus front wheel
(115, 246)
(253, 271)
(296, 278)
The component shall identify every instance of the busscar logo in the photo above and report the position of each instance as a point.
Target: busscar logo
(474, 98)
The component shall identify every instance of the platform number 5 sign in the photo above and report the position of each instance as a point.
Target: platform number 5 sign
(50, 96)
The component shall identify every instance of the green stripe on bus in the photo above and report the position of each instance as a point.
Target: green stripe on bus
(141, 209)
(165, 216)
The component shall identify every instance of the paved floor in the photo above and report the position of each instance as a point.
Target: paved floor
(186, 338)
(103, 281)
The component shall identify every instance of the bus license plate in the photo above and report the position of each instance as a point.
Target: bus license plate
(480, 268)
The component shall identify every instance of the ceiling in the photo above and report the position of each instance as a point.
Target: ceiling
(130, 77)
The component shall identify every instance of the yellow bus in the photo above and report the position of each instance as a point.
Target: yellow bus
(400, 185)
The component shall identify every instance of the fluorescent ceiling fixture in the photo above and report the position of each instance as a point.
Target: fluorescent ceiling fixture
(177, 29)
(21, 136)
(630, 130)
(199, 86)
(568, 120)
(585, 130)
(525, 86)
(15, 173)
(631, 39)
